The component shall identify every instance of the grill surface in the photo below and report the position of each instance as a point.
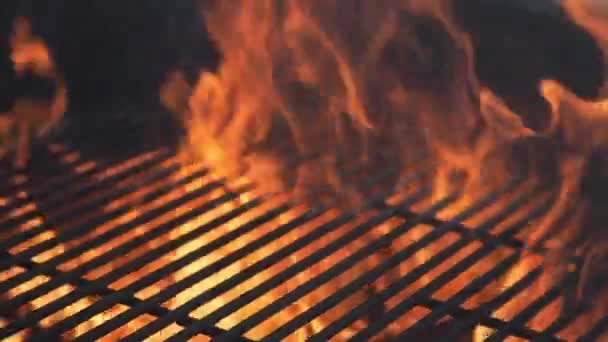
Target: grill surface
(55, 215)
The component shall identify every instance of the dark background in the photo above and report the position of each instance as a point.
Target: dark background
(113, 51)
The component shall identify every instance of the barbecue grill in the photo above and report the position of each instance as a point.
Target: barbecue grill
(73, 201)
(131, 241)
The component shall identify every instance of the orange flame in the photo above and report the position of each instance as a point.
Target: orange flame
(394, 76)
(384, 80)
(292, 70)
(30, 54)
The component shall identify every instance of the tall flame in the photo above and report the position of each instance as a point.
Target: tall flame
(386, 78)
(316, 77)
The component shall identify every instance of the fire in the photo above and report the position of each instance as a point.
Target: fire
(307, 89)
(312, 77)
(31, 56)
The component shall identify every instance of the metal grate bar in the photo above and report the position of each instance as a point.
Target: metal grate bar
(413, 275)
(185, 283)
(122, 319)
(460, 228)
(134, 165)
(142, 261)
(59, 200)
(489, 321)
(527, 314)
(312, 259)
(371, 276)
(563, 321)
(600, 328)
(83, 292)
(109, 301)
(99, 240)
(162, 167)
(125, 317)
(127, 151)
(15, 181)
(469, 290)
(425, 292)
(456, 300)
(65, 236)
(366, 278)
(156, 311)
(483, 314)
(93, 205)
(53, 187)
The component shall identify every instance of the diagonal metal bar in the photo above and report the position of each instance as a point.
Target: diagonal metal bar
(471, 289)
(74, 232)
(430, 288)
(58, 200)
(83, 292)
(598, 330)
(189, 281)
(156, 311)
(524, 316)
(431, 319)
(55, 189)
(93, 205)
(354, 314)
(371, 276)
(216, 222)
(476, 316)
(312, 259)
(489, 321)
(99, 240)
(169, 292)
(365, 278)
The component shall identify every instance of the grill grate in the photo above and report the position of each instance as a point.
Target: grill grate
(89, 248)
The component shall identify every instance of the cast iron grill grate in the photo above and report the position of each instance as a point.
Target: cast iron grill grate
(90, 247)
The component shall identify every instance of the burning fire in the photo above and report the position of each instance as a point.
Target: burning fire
(385, 82)
(32, 115)
(351, 83)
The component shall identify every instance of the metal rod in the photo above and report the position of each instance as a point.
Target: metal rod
(73, 232)
(415, 274)
(366, 278)
(312, 259)
(428, 321)
(156, 311)
(79, 293)
(56, 185)
(97, 241)
(61, 198)
(185, 283)
(8, 187)
(531, 310)
(469, 290)
(600, 328)
(460, 228)
(433, 286)
(476, 316)
(372, 275)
